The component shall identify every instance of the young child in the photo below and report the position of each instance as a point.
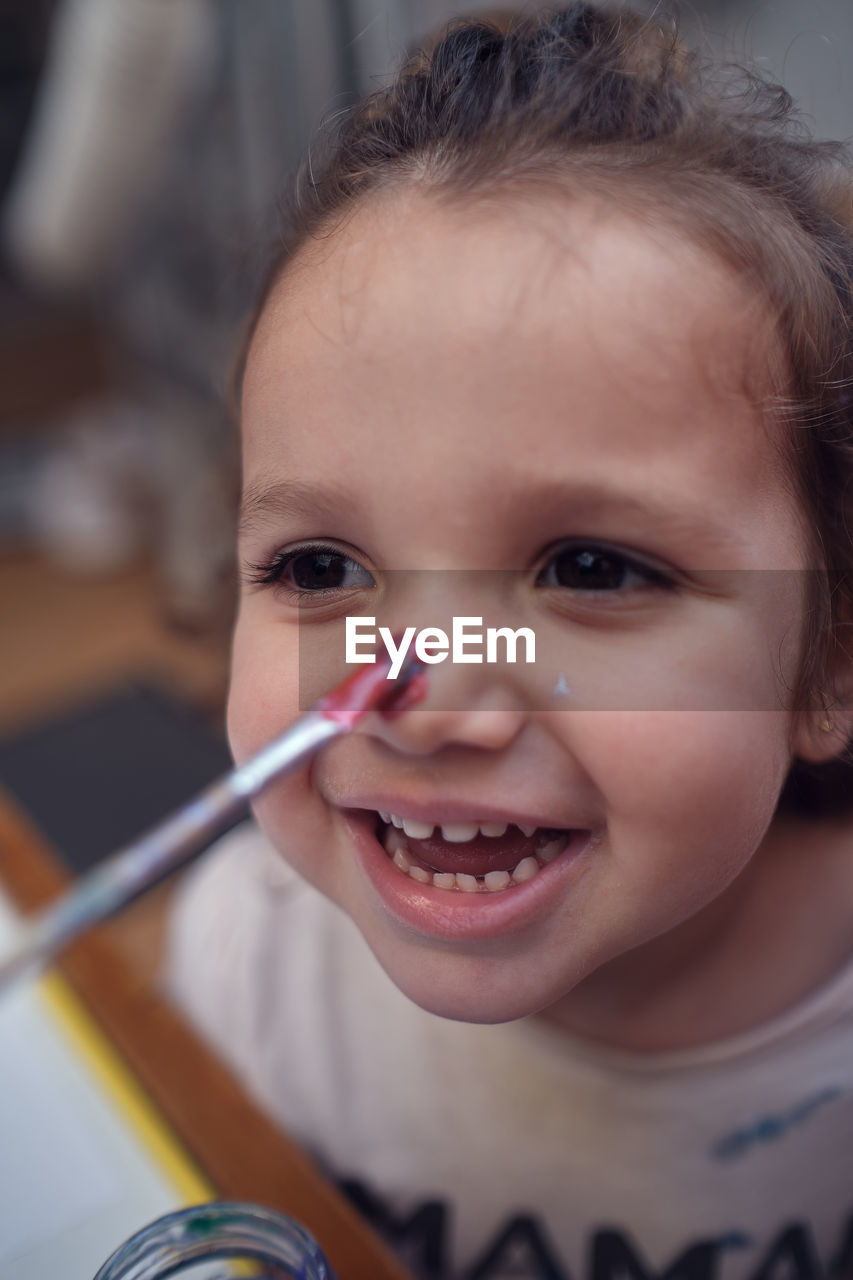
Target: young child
(542, 970)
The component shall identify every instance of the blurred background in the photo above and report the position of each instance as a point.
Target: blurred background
(143, 144)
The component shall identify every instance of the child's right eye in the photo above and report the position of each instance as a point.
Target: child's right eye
(311, 571)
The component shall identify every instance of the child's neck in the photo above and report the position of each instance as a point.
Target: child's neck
(781, 930)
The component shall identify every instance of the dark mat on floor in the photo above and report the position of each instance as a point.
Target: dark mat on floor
(100, 774)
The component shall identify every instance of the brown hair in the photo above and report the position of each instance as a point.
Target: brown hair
(587, 99)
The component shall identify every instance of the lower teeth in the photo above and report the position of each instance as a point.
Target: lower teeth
(492, 882)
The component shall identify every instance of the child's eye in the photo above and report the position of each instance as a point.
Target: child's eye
(590, 567)
(311, 571)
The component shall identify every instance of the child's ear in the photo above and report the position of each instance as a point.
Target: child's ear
(820, 738)
(823, 732)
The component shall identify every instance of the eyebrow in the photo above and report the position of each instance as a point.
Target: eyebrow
(674, 522)
(300, 499)
(285, 498)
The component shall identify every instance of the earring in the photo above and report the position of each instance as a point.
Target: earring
(826, 726)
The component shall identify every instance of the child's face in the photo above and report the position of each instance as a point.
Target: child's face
(469, 389)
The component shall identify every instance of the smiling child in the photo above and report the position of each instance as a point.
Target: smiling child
(561, 317)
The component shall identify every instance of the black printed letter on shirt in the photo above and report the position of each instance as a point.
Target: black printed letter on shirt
(613, 1258)
(423, 1231)
(521, 1244)
(791, 1256)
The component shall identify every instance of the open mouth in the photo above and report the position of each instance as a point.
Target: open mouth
(471, 857)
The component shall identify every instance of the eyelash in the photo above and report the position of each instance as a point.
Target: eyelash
(272, 572)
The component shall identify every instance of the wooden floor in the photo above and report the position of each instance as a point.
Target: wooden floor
(64, 635)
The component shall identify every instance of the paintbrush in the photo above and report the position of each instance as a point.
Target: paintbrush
(126, 875)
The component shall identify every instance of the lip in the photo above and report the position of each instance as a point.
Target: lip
(437, 913)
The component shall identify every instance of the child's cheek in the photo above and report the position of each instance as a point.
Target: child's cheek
(686, 798)
(263, 700)
(263, 695)
(682, 771)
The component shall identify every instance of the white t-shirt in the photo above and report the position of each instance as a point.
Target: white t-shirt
(490, 1152)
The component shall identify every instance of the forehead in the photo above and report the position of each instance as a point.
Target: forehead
(403, 267)
(493, 333)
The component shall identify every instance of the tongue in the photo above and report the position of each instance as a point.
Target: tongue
(475, 857)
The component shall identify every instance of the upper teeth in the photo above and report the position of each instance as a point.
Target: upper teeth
(454, 832)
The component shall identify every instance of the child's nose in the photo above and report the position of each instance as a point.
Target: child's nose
(489, 718)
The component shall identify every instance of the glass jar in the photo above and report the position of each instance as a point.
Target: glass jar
(218, 1241)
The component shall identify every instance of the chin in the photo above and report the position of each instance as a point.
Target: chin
(449, 987)
(460, 1008)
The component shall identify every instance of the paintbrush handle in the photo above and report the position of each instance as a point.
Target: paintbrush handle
(116, 882)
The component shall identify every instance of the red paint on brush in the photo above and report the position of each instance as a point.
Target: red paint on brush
(413, 692)
(370, 690)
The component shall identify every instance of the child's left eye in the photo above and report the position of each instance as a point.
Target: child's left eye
(596, 568)
(311, 571)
